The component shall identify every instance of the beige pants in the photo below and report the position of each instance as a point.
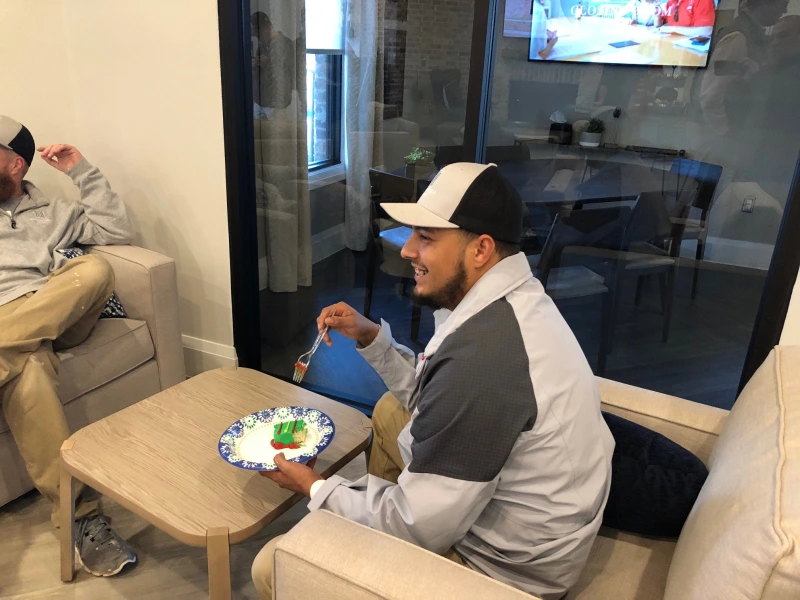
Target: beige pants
(388, 420)
(60, 315)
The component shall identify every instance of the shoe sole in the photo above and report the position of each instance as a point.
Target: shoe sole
(96, 574)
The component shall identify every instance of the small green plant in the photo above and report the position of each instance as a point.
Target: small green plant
(595, 126)
(418, 156)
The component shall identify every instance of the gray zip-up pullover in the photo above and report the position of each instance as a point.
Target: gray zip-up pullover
(507, 455)
(33, 227)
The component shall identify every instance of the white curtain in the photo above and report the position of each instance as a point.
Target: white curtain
(363, 88)
(279, 105)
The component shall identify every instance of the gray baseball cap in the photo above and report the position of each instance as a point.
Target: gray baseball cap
(16, 137)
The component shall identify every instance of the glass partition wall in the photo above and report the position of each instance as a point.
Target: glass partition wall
(343, 94)
(704, 159)
(655, 237)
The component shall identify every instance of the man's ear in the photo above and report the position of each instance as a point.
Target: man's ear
(483, 250)
(18, 168)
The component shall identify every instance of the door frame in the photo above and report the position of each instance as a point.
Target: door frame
(237, 118)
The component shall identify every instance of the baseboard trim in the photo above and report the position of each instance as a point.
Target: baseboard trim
(327, 243)
(738, 253)
(203, 355)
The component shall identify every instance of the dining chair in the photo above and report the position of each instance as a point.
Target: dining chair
(579, 260)
(687, 203)
(653, 248)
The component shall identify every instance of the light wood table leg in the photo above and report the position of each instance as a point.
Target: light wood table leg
(67, 518)
(219, 563)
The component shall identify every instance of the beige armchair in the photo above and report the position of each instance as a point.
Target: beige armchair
(741, 540)
(122, 362)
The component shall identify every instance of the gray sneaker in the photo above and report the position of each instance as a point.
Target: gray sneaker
(100, 551)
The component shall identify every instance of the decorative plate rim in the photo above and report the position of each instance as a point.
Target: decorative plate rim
(235, 430)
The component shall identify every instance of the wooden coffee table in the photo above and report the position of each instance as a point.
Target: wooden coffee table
(159, 459)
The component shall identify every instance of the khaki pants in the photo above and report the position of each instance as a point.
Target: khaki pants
(388, 420)
(60, 315)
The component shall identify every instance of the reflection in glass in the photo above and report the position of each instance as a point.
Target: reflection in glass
(691, 171)
(378, 80)
(711, 152)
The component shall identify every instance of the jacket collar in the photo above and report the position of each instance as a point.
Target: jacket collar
(35, 198)
(502, 279)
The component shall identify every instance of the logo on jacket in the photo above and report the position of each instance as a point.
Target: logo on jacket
(40, 217)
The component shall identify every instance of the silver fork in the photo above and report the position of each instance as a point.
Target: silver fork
(301, 366)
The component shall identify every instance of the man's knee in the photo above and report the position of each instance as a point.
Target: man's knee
(389, 415)
(96, 272)
(386, 411)
(99, 269)
(262, 568)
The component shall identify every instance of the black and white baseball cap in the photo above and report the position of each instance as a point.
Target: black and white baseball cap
(469, 196)
(15, 136)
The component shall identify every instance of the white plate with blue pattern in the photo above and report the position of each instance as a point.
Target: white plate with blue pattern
(246, 443)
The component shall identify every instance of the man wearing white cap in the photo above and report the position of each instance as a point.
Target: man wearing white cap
(490, 447)
(46, 304)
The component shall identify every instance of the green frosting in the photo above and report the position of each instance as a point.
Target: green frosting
(284, 432)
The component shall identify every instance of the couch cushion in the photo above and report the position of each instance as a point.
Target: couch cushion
(624, 566)
(115, 347)
(654, 481)
(742, 538)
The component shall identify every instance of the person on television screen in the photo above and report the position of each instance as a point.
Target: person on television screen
(542, 39)
(641, 12)
(688, 17)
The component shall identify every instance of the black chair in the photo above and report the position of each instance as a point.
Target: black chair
(387, 238)
(447, 155)
(580, 259)
(652, 248)
(707, 176)
(500, 155)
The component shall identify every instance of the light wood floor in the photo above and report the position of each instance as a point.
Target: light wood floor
(29, 556)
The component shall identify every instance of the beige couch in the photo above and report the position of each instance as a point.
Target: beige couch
(122, 362)
(741, 541)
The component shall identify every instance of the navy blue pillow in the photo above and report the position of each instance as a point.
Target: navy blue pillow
(654, 481)
(113, 308)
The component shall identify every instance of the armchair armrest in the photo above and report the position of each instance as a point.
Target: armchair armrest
(147, 286)
(694, 426)
(326, 556)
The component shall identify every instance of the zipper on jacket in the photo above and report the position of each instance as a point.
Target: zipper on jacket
(13, 220)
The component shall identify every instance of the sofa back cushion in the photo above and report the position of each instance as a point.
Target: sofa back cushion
(742, 538)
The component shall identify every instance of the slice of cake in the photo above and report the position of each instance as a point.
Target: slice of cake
(289, 434)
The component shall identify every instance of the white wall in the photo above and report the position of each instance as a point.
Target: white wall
(37, 87)
(136, 87)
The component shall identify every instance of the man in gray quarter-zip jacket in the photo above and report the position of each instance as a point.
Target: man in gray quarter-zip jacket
(491, 448)
(47, 304)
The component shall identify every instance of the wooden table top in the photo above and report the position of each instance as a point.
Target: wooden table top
(159, 458)
(653, 47)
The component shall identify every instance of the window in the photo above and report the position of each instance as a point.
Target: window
(324, 116)
(324, 68)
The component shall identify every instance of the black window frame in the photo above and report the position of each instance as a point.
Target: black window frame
(334, 111)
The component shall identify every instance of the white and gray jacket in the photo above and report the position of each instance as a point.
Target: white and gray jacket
(33, 227)
(507, 455)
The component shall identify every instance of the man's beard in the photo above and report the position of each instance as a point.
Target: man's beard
(7, 187)
(449, 295)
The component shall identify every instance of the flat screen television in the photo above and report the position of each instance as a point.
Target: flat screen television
(675, 33)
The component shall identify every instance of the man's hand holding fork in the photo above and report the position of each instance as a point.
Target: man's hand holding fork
(343, 319)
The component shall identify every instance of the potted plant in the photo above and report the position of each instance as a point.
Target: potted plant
(593, 133)
(418, 160)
